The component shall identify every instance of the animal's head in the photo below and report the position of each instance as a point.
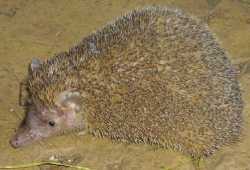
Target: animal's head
(43, 120)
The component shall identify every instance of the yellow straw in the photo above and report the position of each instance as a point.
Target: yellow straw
(43, 163)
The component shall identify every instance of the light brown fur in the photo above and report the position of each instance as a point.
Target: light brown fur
(154, 76)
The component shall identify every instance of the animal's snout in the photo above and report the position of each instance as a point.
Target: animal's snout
(15, 142)
(21, 138)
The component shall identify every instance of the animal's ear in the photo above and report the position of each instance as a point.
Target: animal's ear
(35, 64)
(69, 99)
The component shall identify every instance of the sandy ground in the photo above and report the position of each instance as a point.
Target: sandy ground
(41, 28)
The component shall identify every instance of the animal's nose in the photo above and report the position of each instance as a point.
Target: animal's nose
(14, 142)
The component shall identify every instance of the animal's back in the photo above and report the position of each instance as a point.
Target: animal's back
(155, 76)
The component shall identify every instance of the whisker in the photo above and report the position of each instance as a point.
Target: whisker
(51, 145)
(16, 114)
(41, 144)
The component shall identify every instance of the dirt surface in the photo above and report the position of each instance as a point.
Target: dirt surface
(33, 28)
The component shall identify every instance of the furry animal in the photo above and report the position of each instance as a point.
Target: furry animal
(155, 75)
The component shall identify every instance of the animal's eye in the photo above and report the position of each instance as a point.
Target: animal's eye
(52, 123)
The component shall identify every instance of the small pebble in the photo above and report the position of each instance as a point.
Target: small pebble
(52, 158)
